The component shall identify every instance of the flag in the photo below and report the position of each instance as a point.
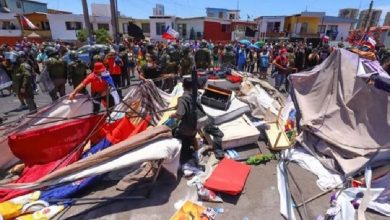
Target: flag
(368, 41)
(27, 23)
(170, 34)
(114, 93)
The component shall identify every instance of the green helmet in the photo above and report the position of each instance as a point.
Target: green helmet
(121, 47)
(229, 47)
(50, 51)
(73, 55)
(203, 44)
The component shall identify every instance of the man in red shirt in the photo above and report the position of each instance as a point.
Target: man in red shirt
(281, 65)
(115, 65)
(100, 90)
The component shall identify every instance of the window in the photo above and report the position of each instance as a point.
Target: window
(232, 16)
(19, 4)
(199, 35)
(303, 28)
(160, 28)
(182, 29)
(6, 25)
(145, 27)
(104, 26)
(45, 25)
(321, 28)
(220, 14)
(73, 25)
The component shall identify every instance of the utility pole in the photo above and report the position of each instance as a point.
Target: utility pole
(86, 20)
(368, 17)
(114, 19)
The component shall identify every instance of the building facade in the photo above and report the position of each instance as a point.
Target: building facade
(158, 25)
(387, 19)
(336, 28)
(304, 25)
(40, 20)
(239, 29)
(23, 6)
(351, 13)
(222, 13)
(373, 19)
(270, 27)
(190, 28)
(217, 30)
(10, 28)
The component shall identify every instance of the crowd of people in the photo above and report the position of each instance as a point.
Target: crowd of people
(113, 65)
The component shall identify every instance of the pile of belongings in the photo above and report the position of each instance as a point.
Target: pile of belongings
(343, 106)
(107, 144)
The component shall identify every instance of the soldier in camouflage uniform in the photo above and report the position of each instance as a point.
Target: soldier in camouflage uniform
(202, 57)
(23, 83)
(187, 61)
(76, 71)
(229, 58)
(56, 68)
(164, 61)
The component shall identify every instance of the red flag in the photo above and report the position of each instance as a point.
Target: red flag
(27, 23)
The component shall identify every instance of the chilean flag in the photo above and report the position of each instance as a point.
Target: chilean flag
(27, 23)
(369, 40)
(170, 34)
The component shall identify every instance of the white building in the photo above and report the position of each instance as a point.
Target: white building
(190, 28)
(159, 10)
(9, 25)
(337, 28)
(158, 25)
(101, 10)
(65, 26)
(270, 26)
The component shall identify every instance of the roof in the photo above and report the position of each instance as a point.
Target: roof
(224, 9)
(334, 19)
(271, 17)
(36, 2)
(54, 11)
(191, 18)
(163, 17)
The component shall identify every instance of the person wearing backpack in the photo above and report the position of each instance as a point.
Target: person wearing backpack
(264, 59)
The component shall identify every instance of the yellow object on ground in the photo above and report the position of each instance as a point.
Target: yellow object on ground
(43, 214)
(189, 210)
(166, 115)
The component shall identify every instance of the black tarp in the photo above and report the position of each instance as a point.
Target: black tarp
(134, 31)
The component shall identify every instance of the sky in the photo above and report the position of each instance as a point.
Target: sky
(251, 8)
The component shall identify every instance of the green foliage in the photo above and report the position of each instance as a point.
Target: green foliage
(102, 36)
(82, 35)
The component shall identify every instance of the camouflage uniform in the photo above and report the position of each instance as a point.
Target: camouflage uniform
(202, 57)
(229, 58)
(23, 79)
(77, 71)
(186, 63)
(57, 71)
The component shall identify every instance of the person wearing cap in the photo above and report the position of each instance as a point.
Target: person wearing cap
(99, 87)
(281, 65)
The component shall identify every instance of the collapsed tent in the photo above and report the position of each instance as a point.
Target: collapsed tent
(47, 118)
(345, 121)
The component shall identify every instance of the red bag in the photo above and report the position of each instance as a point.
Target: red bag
(229, 177)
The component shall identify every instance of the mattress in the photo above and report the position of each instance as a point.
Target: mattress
(238, 132)
(236, 109)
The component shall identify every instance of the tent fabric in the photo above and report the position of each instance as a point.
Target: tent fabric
(344, 119)
(228, 177)
(46, 117)
(41, 146)
(34, 173)
(163, 148)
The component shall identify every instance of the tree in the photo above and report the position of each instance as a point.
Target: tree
(102, 36)
(192, 34)
(82, 35)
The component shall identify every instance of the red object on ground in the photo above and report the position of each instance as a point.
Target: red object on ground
(35, 172)
(234, 79)
(229, 177)
(45, 145)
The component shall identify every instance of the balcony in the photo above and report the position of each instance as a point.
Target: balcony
(10, 33)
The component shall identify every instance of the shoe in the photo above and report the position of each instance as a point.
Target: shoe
(21, 108)
(32, 112)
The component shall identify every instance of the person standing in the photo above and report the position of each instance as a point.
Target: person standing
(151, 71)
(125, 60)
(23, 83)
(229, 57)
(132, 65)
(115, 65)
(281, 66)
(241, 58)
(187, 61)
(102, 88)
(264, 60)
(56, 68)
(202, 57)
(77, 71)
